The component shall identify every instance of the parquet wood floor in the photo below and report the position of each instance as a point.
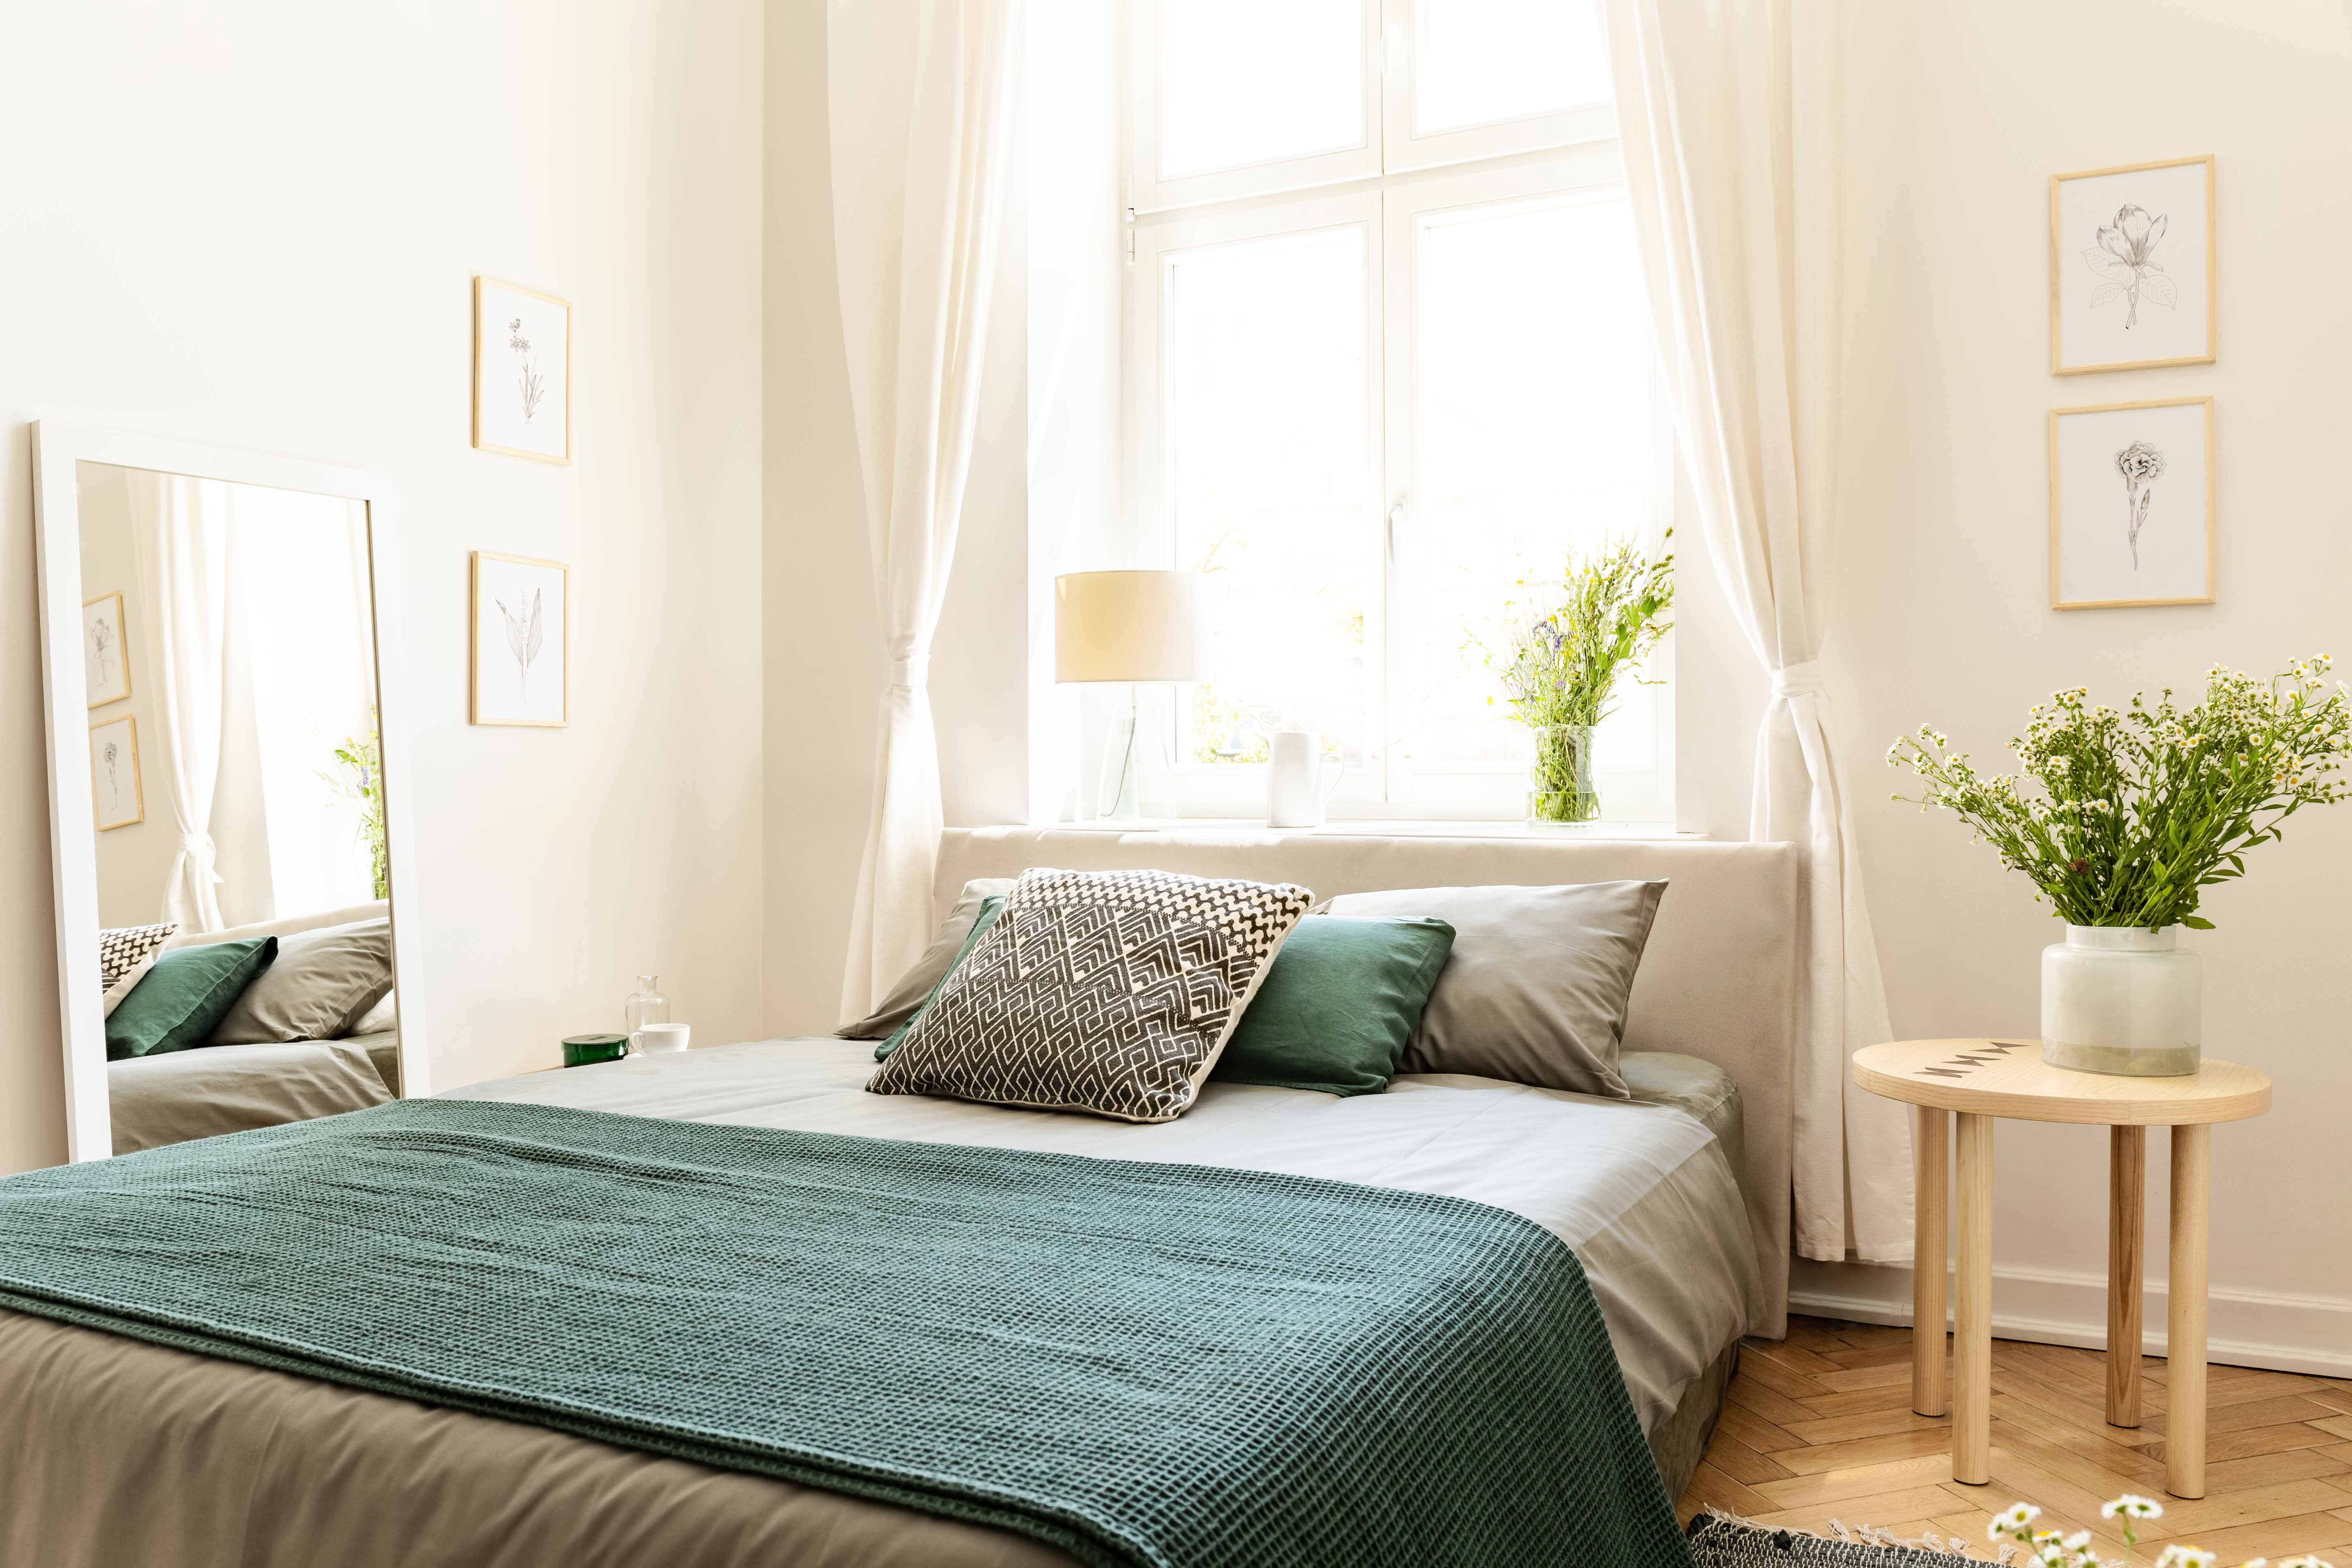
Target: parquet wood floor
(1819, 1426)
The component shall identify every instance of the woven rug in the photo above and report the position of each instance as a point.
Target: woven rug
(1726, 1541)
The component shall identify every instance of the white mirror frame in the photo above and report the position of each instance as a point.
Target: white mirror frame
(73, 835)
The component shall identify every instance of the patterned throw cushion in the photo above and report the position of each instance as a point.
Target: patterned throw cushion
(1110, 992)
(121, 950)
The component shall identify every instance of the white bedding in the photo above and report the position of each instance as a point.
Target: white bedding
(1641, 1191)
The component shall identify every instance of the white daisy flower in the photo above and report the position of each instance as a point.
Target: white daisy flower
(2017, 1516)
(2132, 1507)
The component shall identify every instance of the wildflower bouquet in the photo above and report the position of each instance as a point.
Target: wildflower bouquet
(1560, 666)
(362, 783)
(2054, 1549)
(2124, 817)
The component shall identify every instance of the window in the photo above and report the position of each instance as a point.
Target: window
(1387, 358)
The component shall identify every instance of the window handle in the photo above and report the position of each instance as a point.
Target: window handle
(1396, 521)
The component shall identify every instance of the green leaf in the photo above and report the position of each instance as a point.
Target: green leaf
(2196, 922)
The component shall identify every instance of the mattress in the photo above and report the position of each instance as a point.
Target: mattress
(1641, 1191)
(180, 1095)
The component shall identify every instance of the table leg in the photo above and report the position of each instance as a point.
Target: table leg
(1972, 1338)
(2184, 1418)
(1930, 1239)
(2126, 1230)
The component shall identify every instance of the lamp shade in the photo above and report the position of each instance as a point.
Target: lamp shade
(1128, 625)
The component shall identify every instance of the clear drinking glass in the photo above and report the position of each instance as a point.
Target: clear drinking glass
(646, 1004)
(1560, 793)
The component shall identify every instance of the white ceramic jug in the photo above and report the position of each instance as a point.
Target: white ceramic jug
(1294, 794)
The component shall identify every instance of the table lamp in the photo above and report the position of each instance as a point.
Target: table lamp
(1128, 627)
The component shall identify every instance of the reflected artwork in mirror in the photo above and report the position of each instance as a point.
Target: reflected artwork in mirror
(227, 948)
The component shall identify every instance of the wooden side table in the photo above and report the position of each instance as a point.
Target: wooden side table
(1980, 1080)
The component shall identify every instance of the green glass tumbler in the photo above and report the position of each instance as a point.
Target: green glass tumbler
(586, 1050)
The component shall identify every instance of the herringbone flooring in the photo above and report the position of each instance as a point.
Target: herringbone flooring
(1819, 1426)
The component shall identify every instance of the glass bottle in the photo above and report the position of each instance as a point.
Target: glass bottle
(1560, 794)
(646, 1005)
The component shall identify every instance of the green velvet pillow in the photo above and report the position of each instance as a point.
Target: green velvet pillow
(183, 998)
(1335, 1011)
(990, 908)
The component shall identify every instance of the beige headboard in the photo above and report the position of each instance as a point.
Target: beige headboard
(1718, 981)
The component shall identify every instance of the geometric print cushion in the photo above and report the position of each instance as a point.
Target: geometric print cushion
(1110, 992)
(119, 951)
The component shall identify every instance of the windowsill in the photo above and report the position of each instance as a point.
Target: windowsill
(1385, 828)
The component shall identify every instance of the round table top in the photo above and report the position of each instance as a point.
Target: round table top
(2009, 1078)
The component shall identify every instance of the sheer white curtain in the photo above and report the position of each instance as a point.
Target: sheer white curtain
(1728, 112)
(917, 95)
(180, 534)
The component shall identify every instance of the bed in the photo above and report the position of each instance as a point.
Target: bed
(1684, 1256)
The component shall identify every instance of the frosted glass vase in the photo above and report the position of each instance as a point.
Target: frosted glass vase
(2123, 1000)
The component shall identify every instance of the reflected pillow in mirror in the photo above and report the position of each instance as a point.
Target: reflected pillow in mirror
(382, 1018)
(124, 987)
(185, 997)
(124, 948)
(323, 983)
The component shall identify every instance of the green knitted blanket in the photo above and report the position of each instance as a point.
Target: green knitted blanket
(1138, 1363)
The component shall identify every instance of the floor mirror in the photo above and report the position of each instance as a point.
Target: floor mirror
(236, 894)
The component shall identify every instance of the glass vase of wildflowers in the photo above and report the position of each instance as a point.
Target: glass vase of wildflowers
(1561, 661)
(2122, 818)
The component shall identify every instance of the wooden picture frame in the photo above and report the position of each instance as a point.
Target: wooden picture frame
(521, 639)
(2107, 276)
(2112, 460)
(99, 690)
(131, 804)
(515, 332)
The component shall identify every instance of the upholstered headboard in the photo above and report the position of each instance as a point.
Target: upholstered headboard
(1718, 981)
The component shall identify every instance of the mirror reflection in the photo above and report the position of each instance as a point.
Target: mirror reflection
(246, 942)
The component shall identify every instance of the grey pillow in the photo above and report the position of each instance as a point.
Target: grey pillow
(915, 986)
(324, 981)
(1536, 988)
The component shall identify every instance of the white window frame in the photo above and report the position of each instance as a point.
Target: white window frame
(1573, 153)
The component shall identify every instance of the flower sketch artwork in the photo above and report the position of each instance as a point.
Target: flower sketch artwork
(520, 609)
(526, 634)
(115, 774)
(522, 372)
(2132, 504)
(2141, 466)
(2131, 255)
(2125, 259)
(106, 670)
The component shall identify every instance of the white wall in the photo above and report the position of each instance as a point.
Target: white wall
(1959, 115)
(256, 227)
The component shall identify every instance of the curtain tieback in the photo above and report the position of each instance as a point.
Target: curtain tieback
(1800, 680)
(199, 847)
(912, 672)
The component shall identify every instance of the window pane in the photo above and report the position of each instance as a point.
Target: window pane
(1533, 434)
(1249, 81)
(1266, 419)
(1480, 61)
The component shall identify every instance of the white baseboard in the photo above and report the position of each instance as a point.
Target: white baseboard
(2310, 1334)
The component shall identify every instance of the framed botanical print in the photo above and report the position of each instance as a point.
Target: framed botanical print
(522, 372)
(520, 645)
(2131, 267)
(2131, 504)
(105, 662)
(114, 772)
